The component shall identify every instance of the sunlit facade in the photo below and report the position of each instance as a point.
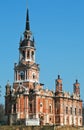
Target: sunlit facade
(27, 102)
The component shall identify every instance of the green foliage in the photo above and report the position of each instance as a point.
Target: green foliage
(2, 112)
(3, 118)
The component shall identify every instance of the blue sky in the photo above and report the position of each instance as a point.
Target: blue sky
(58, 29)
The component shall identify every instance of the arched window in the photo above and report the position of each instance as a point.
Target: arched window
(75, 111)
(30, 107)
(28, 54)
(41, 104)
(22, 76)
(66, 110)
(34, 76)
(80, 112)
(32, 55)
(50, 108)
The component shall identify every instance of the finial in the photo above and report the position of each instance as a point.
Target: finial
(58, 76)
(8, 84)
(76, 80)
(7, 81)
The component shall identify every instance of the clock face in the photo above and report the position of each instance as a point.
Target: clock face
(22, 75)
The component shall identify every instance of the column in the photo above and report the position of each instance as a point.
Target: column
(26, 55)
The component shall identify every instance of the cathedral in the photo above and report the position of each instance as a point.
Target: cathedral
(27, 102)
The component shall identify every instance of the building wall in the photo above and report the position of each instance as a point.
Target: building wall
(68, 111)
(29, 100)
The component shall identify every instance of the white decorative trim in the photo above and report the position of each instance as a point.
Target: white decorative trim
(28, 80)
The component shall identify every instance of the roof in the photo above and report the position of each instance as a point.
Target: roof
(27, 42)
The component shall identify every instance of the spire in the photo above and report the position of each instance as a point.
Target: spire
(27, 33)
(27, 22)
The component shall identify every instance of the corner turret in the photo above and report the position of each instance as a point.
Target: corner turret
(58, 83)
(76, 88)
(8, 89)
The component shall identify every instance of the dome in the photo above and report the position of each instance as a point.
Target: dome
(27, 42)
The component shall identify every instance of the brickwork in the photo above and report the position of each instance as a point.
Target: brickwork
(28, 99)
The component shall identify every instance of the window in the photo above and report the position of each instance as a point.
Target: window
(22, 75)
(34, 76)
(32, 55)
(80, 121)
(66, 110)
(71, 110)
(50, 108)
(80, 112)
(50, 119)
(41, 105)
(30, 107)
(57, 119)
(28, 54)
(58, 111)
(75, 111)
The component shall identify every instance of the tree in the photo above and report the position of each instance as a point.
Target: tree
(2, 112)
(3, 118)
(83, 113)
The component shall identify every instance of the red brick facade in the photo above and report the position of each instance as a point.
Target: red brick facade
(28, 99)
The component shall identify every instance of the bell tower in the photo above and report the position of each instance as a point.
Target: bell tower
(27, 45)
(26, 72)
